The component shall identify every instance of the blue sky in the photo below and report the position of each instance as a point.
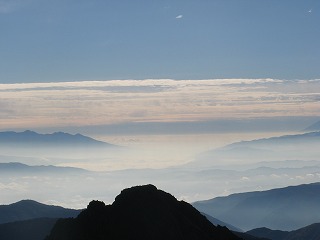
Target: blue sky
(75, 40)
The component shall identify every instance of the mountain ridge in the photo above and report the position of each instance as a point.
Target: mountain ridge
(140, 212)
(286, 208)
(303, 146)
(60, 139)
(32, 229)
(310, 232)
(29, 209)
(21, 167)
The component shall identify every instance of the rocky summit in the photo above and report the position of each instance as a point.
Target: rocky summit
(141, 212)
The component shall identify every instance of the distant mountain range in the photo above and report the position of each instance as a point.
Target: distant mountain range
(19, 168)
(287, 147)
(283, 140)
(141, 212)
(55, 146)
(29, 209)
(57, 139)
(311, 232)
(284, 208)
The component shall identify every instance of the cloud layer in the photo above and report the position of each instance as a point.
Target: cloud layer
(163, 100)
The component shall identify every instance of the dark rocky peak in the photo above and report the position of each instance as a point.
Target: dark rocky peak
(141, 212)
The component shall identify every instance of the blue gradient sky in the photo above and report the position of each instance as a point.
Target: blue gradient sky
(74, 40)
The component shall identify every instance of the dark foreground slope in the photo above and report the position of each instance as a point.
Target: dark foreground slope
(35, 229)
(142, 212)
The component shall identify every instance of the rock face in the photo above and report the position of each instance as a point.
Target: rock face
(141, 212)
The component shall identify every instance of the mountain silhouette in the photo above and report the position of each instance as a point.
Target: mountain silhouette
(286, 208)
(29, 209)
(310, 232)
(34, 229)
(217, 222)
(141, 212)
(61, 139)
(17, 167)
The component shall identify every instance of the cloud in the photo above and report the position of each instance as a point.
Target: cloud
(153, 100)
(13, 186)
(179, 16)
(245, 179)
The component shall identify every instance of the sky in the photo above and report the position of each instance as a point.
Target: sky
(79, 40)
(161, 67)
(173, 78)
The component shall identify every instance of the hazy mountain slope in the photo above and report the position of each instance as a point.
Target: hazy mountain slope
(246, 236)
(285, 208)
(288, 147)
(217, 222)
(20, 168)
(35, 229)
(268, 233)
(28, 209)
(60, 139)
(311, 232)
(58, 146)
(282, 140)
(142, 212)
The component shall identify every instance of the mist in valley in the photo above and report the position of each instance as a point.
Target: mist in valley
(191, 167)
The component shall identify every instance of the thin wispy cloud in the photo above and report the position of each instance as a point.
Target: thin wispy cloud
(179, 16)
(162, 100)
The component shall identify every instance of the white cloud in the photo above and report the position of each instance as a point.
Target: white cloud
(162, 100)
(13, 186)
(245, 179)
(179, 16)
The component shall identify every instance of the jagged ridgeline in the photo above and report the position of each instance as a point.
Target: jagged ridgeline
(141, 212)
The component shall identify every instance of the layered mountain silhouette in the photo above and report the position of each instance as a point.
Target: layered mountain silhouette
(61, 139)
(311, 232)
(141, 212)
(286, 208)
(217, 222)
(34, 229)
(29, 209)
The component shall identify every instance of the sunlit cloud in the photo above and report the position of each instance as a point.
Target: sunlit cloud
(162, 100)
